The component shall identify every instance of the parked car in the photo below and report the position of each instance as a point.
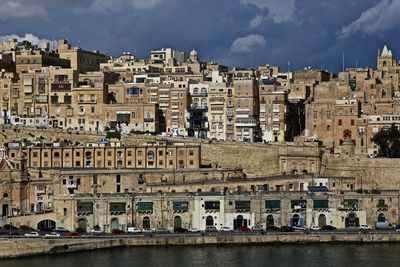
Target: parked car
(364, 227)
(52, 235)
(117, 232)
(96, 231)
(180, 230)
(26, 228)
(315, 228)
(61, 230)
(225, 229)
(287, 229)
(329, 228)
(244, 229)
(162, 231)
(10, 227)
(210, 228)
(257, 229)
(133, 230)
(32, 234)
(299, 228)
(383, 226)
(73, 234)
(397, 227)
(81, 231)
(273, 228)
(147, 231)
(194, 230)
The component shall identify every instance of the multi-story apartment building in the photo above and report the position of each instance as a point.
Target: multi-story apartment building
(198, 111)
(81, 60)
(246, 105)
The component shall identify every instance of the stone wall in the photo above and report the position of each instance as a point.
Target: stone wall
(370, 173)
(22, 247)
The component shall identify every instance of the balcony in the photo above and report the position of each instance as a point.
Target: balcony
(199, 94)
(198, 119)
(198, 109)
(61, 86)
(148, 120)
(246, 123)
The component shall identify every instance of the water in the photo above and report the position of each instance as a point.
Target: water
(283, 255)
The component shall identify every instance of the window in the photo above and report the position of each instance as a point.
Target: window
(191, 152)
(180, 206)
(340, 122)
(273, 204)
(211, 205)
(315, 114)
(139, 163)
(118, 179)
(161, 153)
(352, 122)
(321, 204)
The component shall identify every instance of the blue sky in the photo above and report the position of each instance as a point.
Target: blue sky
(241, 33)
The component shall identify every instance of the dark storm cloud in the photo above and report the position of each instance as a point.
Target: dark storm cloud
(234, 32)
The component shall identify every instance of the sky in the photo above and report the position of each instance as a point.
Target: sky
(237, 33)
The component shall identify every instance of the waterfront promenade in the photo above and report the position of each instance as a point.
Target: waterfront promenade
(20, 246)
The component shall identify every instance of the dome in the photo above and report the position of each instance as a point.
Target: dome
(193, 53)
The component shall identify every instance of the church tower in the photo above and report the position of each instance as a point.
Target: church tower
(385, 59)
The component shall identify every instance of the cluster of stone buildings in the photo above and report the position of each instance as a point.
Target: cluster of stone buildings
(163, 183)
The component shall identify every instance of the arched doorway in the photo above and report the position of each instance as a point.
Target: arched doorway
(209, 221)
(239, 222)
(352, 220)
(177, 222)
(381, 217)
(114, 224)
(321, 220)
(82, 224)
(146, 223)
(202, 134)
(270, 220)
(46, 225)
(295, 220)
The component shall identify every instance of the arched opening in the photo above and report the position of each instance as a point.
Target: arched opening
(239, 222)
(381, 217)
(209, 221)
(270, 221)
(202, 134)
(46, 225)
(352, 220)
(146, 222)
(294, 171)
(82, 224)
(295, 220)
(383, 93)
(347, 134)
(321, 220)
(114, 224)
(177, 222)
(384, 64)
(5, 195)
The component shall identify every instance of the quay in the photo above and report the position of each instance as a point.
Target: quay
(23, 247)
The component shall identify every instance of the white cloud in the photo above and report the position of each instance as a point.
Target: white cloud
(22, 10)
(279, 11)
(381, 17)
(257, 21)
(248, 43)
(28, 37)
(103, 6)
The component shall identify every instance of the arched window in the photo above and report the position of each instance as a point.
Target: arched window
(270, 220)
(384, 63)
(209, 221)
(114, 224)
(177, 222)
(146, 222)
(5, 195)
(381, 217)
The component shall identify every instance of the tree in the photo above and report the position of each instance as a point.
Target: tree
(388, 141)
(112, 133)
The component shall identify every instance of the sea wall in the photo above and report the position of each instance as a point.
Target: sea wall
(22, 247)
